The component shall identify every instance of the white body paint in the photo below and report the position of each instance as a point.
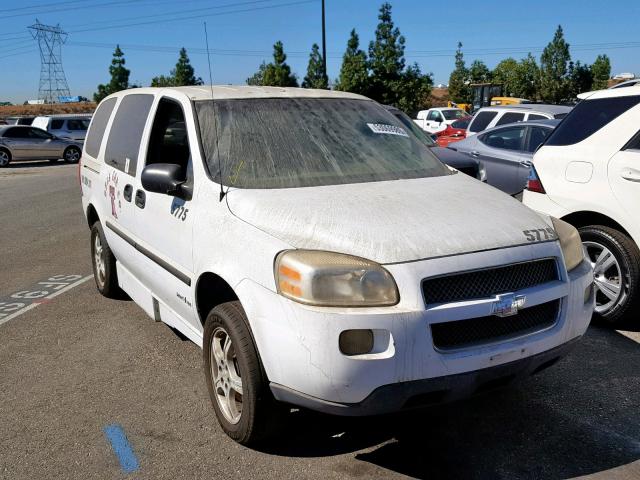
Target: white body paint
(433, 120)
(416, 228)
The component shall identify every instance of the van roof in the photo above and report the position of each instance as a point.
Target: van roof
(224, 92)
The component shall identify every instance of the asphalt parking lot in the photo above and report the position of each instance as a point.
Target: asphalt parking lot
(75, 363)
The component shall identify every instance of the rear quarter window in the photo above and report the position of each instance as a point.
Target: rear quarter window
(98, 126)
(126, 131)
(588, 117)
(56, 124)
(535, 116)
(481, 120)
(510, 117)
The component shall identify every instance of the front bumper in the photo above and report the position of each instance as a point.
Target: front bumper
(430, 391)
(298, 344)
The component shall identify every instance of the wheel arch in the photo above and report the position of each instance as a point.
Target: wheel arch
(211, 290)
(92, 215)
(585, 217)
(6, 149)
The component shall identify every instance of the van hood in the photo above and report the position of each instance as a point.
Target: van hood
(390, 222)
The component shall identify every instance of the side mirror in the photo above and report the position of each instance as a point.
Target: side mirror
(165, 178)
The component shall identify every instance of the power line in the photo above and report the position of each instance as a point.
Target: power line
(65, 9)
(177, 19)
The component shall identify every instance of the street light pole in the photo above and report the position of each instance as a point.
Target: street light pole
(324, 47)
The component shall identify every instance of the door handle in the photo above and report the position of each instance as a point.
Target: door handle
(128, 190)
(140, 198)
(526, 163)
(474, 153)
(631, 174)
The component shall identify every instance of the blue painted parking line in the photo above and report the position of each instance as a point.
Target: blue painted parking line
(121, 447)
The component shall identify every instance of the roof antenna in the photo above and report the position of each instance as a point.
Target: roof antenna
(215, 116)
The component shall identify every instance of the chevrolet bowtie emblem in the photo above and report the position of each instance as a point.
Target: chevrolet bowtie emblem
(507, 304)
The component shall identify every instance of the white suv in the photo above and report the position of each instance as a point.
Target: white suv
(489, 117)
(588, 174)
(69, 127)
(333, 264)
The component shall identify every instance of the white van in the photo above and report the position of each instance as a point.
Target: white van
(489, 117)
(68, 127)
(334, 264)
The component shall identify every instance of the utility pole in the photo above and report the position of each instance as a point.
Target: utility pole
(324, 47)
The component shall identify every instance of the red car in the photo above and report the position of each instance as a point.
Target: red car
(453, 133)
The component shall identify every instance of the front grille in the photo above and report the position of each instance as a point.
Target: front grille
(489, 282)
(481, 330)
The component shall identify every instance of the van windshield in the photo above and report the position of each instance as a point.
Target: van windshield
(304, 142)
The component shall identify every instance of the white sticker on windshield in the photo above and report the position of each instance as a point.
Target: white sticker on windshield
(387, 129)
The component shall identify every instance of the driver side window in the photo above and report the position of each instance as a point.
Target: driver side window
(169, 141)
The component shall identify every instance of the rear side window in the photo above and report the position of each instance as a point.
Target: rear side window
(588, 117)
(126, 132)
(537, 136)
(510, 117)
(56, 124)
(535, 116)
(78, 124)
(509, 138)
(558, 116)
(481, 120)
(17, 133)
(100, 120)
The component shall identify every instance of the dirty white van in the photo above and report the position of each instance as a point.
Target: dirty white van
(320, 254)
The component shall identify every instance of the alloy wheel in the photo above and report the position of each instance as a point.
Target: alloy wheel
(72, 155)
(608, 277)
(99, 260)
(225, 373)
(4, 158)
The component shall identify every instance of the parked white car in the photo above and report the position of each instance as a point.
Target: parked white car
(334, 264)
(68, 127)
(489, 117)
(588, 174)
(436, 119)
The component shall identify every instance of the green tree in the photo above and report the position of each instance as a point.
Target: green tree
(506, 73)
(459, 90)
(479, 73)
(580, 79)
(386, 58)
(315, 77)
(119, 77)
(184, 74)
(554, 69)
(278, 73)
(601, 72)
(528, 78)
(257, 79)
(163, 81)
(354, 73)
(413, 90)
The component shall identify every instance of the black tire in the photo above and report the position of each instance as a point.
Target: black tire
(258, 408)
(107, 281)
(5, 157)
(627, 255)
(72, 155)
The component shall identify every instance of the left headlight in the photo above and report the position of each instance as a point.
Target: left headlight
(321, 278)
(569, 242)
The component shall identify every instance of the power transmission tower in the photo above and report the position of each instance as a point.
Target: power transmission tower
(53, 82)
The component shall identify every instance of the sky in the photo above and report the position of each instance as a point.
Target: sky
(242, 33)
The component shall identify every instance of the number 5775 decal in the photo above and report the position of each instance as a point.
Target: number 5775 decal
(540, 234)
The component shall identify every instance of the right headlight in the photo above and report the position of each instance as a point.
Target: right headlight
(570, 243)
(333, 279)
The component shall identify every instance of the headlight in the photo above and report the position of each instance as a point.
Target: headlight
(333, 279)
(569, 242)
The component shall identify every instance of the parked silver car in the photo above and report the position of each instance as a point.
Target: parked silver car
(30, 143)
(507, 152)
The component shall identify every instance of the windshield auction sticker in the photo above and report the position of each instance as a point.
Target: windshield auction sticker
(384, 129)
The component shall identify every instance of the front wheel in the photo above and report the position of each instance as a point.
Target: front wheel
(616, 272)
(72, 155)
(5, 158)
(235, 380)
